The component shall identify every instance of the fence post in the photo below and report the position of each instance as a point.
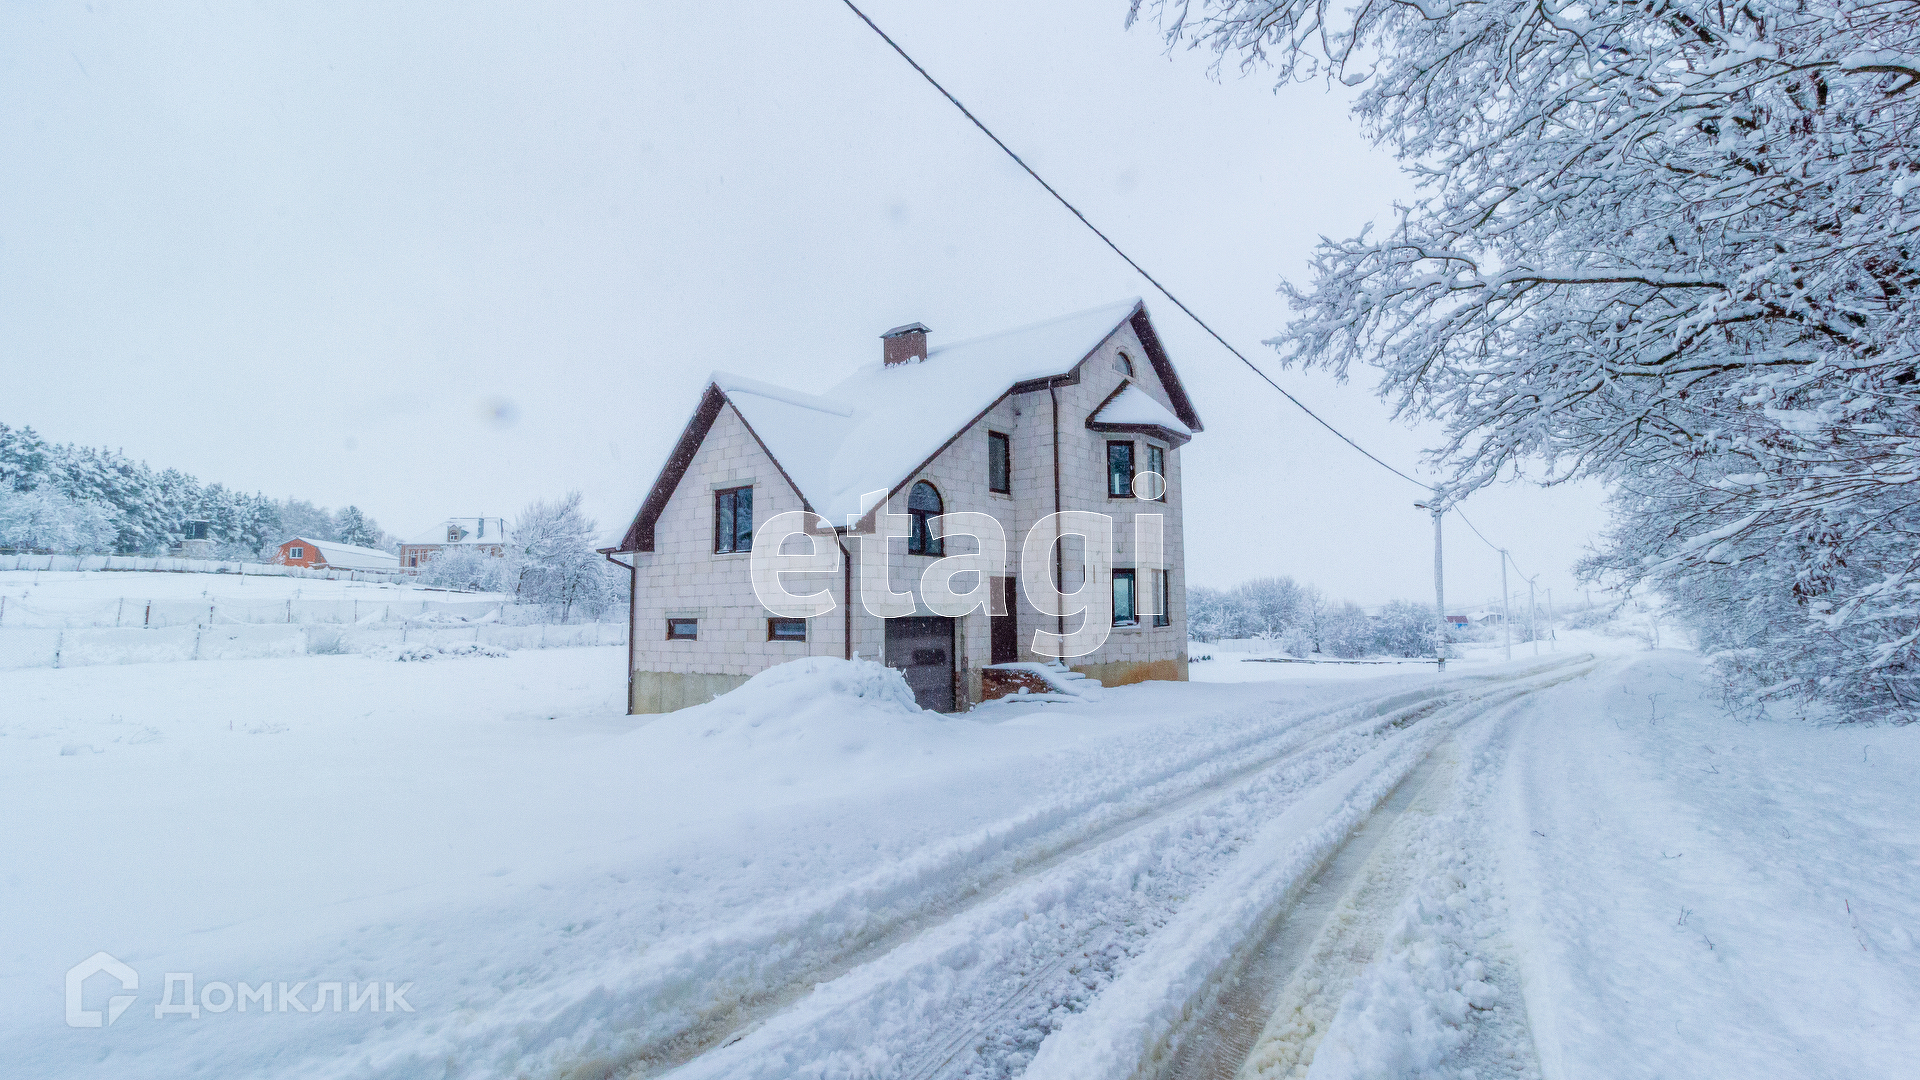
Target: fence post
(289, 610)
(148, 620)
(59, 642)
(117, 612)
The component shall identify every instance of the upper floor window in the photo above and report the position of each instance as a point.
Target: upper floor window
(923, 505)
(733, 520)
(1120, 470)
(1124, 364)
(999, 463)
(1157, 465)
(296, 553)
(196, 530)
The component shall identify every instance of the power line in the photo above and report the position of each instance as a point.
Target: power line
(1141, 270)
(1483, 539)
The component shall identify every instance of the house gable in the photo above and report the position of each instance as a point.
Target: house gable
(640, 535)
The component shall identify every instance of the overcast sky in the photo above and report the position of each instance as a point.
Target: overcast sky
(440, 259)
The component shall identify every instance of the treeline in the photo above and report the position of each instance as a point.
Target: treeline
(65, 498)
(1302, 620)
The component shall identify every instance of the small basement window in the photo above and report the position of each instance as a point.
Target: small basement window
(1120, 470)
(683, 629)
(786, 629)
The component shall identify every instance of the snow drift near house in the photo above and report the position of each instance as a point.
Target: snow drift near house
(791, 714)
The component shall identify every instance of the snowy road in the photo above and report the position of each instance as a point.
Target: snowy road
(1397, 876)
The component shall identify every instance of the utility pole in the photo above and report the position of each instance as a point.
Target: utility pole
(1553, 632)
(1532, 607)
(1439, 589)
(1506, 604)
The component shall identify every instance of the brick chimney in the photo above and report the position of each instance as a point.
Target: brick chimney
(904, 343)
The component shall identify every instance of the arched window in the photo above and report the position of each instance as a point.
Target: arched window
(1124, 363)
(923, 504)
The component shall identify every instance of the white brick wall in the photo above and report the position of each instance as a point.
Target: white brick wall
(685, 576)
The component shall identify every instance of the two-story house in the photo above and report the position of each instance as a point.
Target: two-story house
(487, 535)
(1061, 416)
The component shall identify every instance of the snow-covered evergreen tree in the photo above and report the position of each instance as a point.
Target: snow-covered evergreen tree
(353, 527)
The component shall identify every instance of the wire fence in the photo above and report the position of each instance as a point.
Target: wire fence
(191, 566)
(40, 647)
(133, 612)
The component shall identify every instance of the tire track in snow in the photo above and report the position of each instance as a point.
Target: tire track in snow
(1139, 1026)
(1057, 936)
(715, 988)
(1430, 984)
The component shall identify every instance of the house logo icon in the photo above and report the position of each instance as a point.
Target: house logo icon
(77, 977)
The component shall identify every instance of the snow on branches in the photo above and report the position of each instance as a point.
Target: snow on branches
(1668, 245)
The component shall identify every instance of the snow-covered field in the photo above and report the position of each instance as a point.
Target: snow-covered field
(1574, 866)
(68, 618)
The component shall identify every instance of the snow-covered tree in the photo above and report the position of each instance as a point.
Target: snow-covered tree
(554, 561)
(298, 517)
(1346, 632)
(1206, 613)
(1404, 628)
(354, 527)
(45, 520)
(1669, 245)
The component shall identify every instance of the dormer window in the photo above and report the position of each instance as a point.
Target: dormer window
(453, 534)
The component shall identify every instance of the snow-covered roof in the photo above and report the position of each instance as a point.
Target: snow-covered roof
(1133, 407)
(348, 556)
(474, 530)
(881, 422)
(873, 429)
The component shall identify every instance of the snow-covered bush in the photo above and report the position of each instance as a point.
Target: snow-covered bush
(1404, 628)
(468, 569)
(1347, 632)
(416, 653)
(1669, 246)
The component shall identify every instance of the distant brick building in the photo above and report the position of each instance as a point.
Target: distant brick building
(487, 535)
(325, 554)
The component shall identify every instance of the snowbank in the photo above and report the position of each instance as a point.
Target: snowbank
(795, 714)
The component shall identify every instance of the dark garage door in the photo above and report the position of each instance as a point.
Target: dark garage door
(921, 646)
